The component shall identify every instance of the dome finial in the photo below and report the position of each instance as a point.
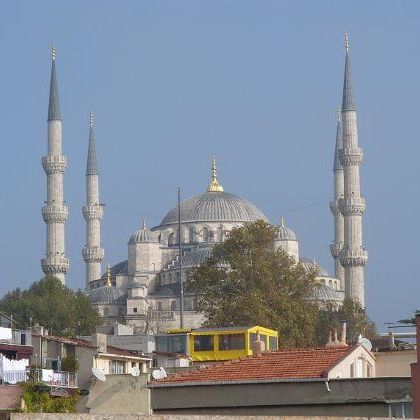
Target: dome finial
(282, 222)
(91, 118)
(214, 185)
(108, 276)
(143, 226)
(53, 51)
(346, 41)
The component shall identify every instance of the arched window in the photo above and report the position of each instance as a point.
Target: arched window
(171, 239)
(191, 235)
(159, 237)
(205, 234)
(211, 236)
(330, 284)
(335, 285)
(219, 234)
(173, 305)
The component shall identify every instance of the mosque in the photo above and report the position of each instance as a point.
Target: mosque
(144, 290)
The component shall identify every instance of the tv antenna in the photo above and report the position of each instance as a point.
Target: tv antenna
(159, 374)
(99, 374)
(135, 371)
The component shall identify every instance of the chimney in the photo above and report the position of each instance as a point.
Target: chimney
(37, 329)
(343, 337)
(329, 342)
(258, 346)
(99, 340)
(391, 341)
(334, 338)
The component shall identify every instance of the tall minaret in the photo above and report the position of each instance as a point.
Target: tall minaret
(353, 256)
(55, 212)
(93, 212)
(337, 245)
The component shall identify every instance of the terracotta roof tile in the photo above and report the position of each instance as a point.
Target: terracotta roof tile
(282, 364)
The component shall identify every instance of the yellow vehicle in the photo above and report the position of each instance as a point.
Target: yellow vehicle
(213, 344)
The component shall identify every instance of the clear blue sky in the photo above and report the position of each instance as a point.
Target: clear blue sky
(256, 83)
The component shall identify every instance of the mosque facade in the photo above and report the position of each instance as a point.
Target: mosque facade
(144, 290)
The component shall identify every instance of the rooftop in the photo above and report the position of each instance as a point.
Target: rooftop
(283, 364)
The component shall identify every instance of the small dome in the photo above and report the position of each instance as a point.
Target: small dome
(141, 236)
(118, 269)
(108, 295)
(312, 264)
(325, 293)
(284, 233)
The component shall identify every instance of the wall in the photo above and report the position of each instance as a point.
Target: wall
(395, 363)
(351, 397)
(85, 357)
(343, 369)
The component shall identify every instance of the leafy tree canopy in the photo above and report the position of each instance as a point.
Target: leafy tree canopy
(248, 282)
(51, 304)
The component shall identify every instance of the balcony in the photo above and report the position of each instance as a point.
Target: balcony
(16, 337)
(54, 378)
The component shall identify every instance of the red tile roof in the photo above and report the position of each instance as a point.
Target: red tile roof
(283, 364)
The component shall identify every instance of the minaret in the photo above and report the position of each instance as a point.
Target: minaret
(337, 245)
(93, 212)
(55, 212)
(353, 256)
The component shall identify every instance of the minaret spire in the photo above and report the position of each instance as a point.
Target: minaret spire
(337, 245)
(353, 256)
(55, 212)
(93, 253)
(214, 185)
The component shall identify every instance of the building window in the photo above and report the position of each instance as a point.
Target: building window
(401, 410)
(203, 343)
(231, 341)
(191, 235)
(134, 310)
(205, 234)
(171, 239)
(116, 367)
(272, 341)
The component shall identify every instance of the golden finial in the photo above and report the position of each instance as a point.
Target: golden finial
(53, 51)
(108, 276)
(282, 222)
(338, 114)
(346, 41)
(214, 185)
(143, 226)
(91, 119)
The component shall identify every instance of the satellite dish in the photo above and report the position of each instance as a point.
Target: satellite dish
(135, 371)
(99, 374)
(366, 343)
(159, 374)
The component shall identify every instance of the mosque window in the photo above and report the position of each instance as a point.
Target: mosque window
(134, 310)
(171, 239)
(106, 311)
(211, 236)
(330, 283)
(205, 234)
(173, 305)
(219, 234)
(159, 306)
(191, 235)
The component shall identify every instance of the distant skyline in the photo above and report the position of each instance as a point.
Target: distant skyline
(171, 84)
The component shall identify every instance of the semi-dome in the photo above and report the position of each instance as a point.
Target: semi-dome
(284, 233)
(325, 293)
(141, 236)
(312, 264)
(108, 295)
(214, 205)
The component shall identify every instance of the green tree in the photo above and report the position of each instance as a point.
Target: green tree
(51, 304)
(247, 282)
(356, 319)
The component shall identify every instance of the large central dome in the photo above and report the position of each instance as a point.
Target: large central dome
(215, 205)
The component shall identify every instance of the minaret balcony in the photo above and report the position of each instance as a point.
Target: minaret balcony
(334, 207)
(93, 254)
(352, 206)
(336, 248)
(353, 257)
(55, 264)
(54, 164)
(95, 211)
(351, 156)
(54, 213)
